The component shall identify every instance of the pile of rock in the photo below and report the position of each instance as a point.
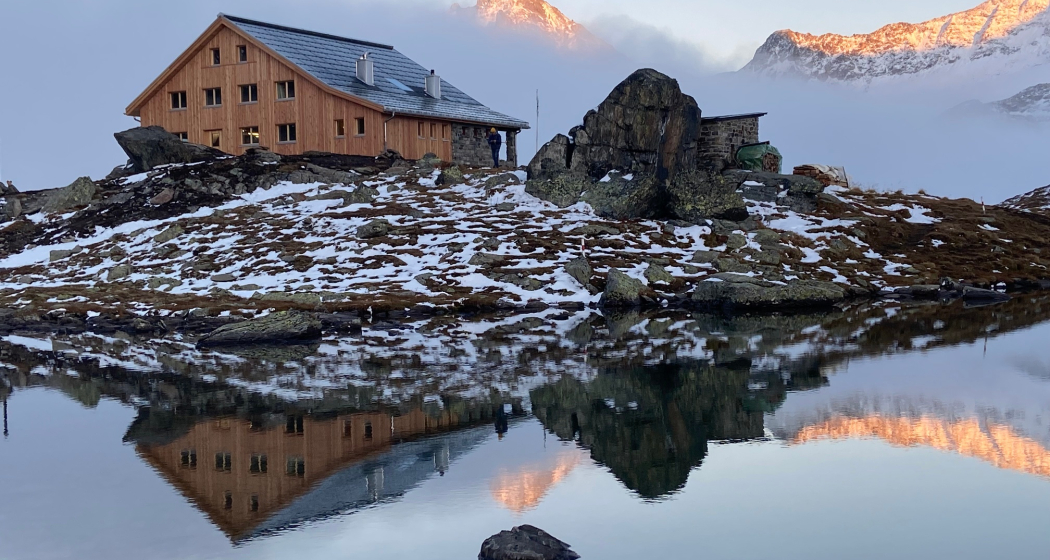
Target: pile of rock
(636, 156)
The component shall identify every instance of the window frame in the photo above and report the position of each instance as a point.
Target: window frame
(421, 129)
(246, 132)
(182, 99)
(433, 131)
(359, 127)
(216, 56)
(214, 138)
(446, 135)
(184, 136)
(289, 131)
(250, 89)
(340, 128)
(289, 86)
(242, 54)
(216, 95)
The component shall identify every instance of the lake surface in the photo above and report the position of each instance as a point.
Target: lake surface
(882, 431)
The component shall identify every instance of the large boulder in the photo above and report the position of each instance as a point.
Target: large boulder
(621, 290)
(551, 160)
(562, 190)
(697, 195)
(79, 193)
(646, 125)
(626, 197)
(283, 326)
(525, 543)
(151, 146)
(737, 292)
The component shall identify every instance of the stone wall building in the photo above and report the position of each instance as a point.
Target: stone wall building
(470, 146)
(723, 136)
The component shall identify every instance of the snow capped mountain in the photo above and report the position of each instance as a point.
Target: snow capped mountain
(1032, 104)
(995, 36)
(534, 15)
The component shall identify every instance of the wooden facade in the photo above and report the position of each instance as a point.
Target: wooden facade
(315, 110)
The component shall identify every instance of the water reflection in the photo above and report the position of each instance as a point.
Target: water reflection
(266, 440)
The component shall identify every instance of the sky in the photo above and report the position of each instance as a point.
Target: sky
(60, 106)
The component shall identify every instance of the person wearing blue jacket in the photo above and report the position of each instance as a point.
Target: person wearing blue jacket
(495, 142)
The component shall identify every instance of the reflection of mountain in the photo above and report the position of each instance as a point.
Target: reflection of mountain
(650, 426)
(523, 488)
(993, 443)
(252, 477)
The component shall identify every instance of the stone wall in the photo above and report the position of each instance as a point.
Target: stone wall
(470, 145)
(723, 138)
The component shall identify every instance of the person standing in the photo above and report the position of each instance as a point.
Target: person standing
(495, 142)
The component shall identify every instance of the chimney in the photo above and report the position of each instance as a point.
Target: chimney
(366, 71)
(433, 85)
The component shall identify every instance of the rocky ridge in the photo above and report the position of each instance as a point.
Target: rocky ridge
(534, 15)
(995, 35)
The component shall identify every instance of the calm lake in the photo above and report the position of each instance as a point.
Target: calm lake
(883, 431)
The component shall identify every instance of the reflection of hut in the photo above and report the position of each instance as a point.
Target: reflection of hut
(240, 473)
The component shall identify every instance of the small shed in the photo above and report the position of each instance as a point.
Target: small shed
(723, 136)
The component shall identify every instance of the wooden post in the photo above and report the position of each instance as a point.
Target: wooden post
(512, 148)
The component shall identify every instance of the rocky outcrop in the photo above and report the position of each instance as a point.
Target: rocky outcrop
(736, 292)
(280, 327)
(375, 228)
(151, 146)
(79, 193)
(525, 543)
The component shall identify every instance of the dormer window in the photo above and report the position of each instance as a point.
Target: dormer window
(286, 90)
(216, 57)
(242, 53)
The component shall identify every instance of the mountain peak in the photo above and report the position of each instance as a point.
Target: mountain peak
(535, 15)
(992, 29)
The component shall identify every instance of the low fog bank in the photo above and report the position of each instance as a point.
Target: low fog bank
(887, 138)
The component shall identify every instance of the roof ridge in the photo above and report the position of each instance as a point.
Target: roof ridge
(247, 21)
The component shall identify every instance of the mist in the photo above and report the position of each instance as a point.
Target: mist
(60, 107)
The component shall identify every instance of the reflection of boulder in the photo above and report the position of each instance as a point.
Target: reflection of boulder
(651, 425)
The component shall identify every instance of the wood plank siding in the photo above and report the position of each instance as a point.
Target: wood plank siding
(314, 111)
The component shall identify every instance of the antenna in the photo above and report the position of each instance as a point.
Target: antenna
(537, 121)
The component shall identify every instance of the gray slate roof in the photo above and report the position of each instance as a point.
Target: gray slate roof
(399, 81)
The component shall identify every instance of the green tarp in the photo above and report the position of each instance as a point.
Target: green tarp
(759, 157)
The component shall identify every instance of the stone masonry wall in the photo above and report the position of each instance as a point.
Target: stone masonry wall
(723, 138)
(470, 146)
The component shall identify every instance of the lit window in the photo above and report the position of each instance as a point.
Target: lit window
(258, 464)
(340, 128)
(215, 137)
(286, 133)
(360, 123)
(242, 53)
(216, 58)
(185, 137)
(213, 97)
(296, 466)
(178, 100)
(249, 93)
(286, 90)
(250, 136)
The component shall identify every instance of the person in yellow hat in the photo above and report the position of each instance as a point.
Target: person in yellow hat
(495, 142)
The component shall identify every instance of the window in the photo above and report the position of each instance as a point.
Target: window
(286, 90)
(213, 97)
(223, 462)
(253, 503)
(214, 137)
(286, 133)
(340, 128)
(258, 464)
(296, 466)
(368, 430)
(250, 136)
(227, 500)
(444, 132)
(359, 124)
(433, 131)
(242, 53)
(189, 458)
(348, 428)
(216, 58)
(294, 425)
(250, 93)
(178, 100)
(420, 131)
(184, 136)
